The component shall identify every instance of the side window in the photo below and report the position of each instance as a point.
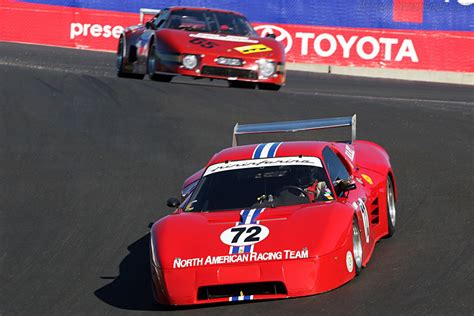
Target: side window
(336, 169)
(160, 19)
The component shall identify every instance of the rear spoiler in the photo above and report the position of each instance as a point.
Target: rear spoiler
(144, 11)
(295, 126)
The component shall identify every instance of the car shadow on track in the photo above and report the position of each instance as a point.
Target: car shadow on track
(131, 289)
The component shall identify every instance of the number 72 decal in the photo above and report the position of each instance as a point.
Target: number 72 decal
(244, 235)
(365, 217)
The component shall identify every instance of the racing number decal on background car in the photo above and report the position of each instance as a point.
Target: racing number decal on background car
(365, 217)
(204, 43)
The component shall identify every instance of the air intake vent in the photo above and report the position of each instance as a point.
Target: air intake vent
(229, 72)
(374, 213)
(228, 290)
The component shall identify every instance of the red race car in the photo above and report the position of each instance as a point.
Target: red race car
(274, 220)
(201, 43)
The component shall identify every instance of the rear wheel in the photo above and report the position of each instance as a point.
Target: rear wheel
(242, 84)
(391, 209)
(120, 59)
(356, 246)
(269, 86)
(151, 66)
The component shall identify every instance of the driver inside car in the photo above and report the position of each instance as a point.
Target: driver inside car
(315, 189)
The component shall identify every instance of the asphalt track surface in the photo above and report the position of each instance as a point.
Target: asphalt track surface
(87, 161)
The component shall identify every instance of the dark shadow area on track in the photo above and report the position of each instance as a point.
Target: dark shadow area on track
(131, 289)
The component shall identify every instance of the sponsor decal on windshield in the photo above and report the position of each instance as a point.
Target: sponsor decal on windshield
(260, 163)
(227, 38)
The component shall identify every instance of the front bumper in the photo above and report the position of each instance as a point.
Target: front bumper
(299, 277)
(209, 68)
(249, 74)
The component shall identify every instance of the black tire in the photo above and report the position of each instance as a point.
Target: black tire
(391, 208)
(242, 84)
(357, 249)
(151, 66)
(120, 61)
(269, 86)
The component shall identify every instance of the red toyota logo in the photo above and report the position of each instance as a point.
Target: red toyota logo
(281, 34)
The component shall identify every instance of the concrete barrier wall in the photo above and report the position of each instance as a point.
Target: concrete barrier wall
(428, 35)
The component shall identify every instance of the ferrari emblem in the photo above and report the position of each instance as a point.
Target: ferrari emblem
(251, 49)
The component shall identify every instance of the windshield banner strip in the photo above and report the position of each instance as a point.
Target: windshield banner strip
(266, 162)
(227, 38)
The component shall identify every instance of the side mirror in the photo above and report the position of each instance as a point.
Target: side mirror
(172, 202)
(149, 25)
(347, 185)
(271, 35)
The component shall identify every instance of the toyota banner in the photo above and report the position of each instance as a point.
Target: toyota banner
(410, 34)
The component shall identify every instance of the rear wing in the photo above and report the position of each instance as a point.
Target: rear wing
(145, 11)
(295, 126)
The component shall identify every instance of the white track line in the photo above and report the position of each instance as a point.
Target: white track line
(368, 97)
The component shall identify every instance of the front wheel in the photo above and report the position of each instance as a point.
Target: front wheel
(151, 66)
(357, 246)
(391, 209)
(120, 60)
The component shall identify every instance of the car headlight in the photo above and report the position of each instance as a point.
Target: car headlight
(190, 61)
(266, 68)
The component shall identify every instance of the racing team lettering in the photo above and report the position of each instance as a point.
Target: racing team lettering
(239, 258)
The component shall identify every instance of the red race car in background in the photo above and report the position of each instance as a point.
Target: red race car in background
(274, 220)
(201, 43)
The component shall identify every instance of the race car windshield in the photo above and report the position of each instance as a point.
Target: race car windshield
(260, 187)
(210, 22)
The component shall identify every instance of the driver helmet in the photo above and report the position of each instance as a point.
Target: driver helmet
(306, 178)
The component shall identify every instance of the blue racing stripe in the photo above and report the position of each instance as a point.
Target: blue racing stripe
(255, 215)
(272, 151)
(258, 151)
(243, 216)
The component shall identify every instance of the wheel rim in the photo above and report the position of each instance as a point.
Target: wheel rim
(357, 244)
(392, 211)
(151, 60)
(120, 55)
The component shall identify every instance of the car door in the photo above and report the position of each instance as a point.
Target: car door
(355, 198)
